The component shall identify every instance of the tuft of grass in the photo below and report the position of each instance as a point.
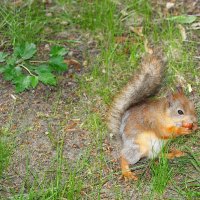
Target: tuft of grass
(4, 156)
(98, 15)
(187, 169)
(5, 152)
(22, 24)
(161, 174)
(66, 182)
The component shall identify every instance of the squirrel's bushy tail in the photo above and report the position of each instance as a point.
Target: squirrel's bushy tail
(143, 84)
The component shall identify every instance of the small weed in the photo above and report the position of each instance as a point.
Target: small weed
(18, 68)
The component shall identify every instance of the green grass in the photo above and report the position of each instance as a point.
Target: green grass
(22, 24)
(6, 147)
(93, 173)
(5, 153)
(66, 181)
(98, 16)
(161, 174)
(188, 186)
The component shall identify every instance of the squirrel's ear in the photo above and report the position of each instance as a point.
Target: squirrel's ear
(170, 98)
(179, 89)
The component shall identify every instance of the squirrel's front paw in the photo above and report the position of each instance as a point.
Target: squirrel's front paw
(175, 154)
(184, 131)
(128, 175)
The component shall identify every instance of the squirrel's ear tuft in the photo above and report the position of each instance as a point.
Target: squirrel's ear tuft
(170, 98)
(179, 89)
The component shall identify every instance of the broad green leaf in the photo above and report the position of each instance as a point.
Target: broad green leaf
(47, 78)
(12, 60)
(3, 56)
(21, 83)
(25, 51)
(44, 68)
(25, 82)
(34, 81)
(182, 19)
(17, 71)
(9, 73)
(19, 87)
(57, 64)
(2, 69)
(58, 51)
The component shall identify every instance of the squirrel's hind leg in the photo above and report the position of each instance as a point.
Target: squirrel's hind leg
(126, 172)
(130, 154)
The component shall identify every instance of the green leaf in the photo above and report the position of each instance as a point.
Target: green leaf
(44, 68)
(58, 51)
(57, 64)
(27, 81)
(2, 69)
(25, 51)
(47, 78)
(23, 82)
(18, 81)
(34, 81)
(17, 71)
(9, 73)
(12, 60)
(19, 87)
(182, 19)
(3, 56)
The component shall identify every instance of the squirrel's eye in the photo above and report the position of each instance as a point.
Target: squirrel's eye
(180, 112)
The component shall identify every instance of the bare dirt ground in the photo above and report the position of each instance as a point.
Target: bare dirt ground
(38, 119)
(36, 114)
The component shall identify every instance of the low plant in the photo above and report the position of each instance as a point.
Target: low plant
(24, 73)
(161, 174)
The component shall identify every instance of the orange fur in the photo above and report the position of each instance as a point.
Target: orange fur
(145, 125)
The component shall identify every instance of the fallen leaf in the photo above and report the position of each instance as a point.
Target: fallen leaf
(17, 3)
(47, 1)
(103, 71)
(85, 63)
(169, 5)
(46, 47)
(189, 88)
(49, 14)
(195, 26)
(70, 126)
(121, 39)
(138, 30)
(147, 49)
(74, 63)
(124, 13)
(182, 31)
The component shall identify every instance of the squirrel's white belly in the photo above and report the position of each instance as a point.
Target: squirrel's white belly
(155, 146)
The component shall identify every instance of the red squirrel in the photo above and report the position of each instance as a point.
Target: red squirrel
(145, 125)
